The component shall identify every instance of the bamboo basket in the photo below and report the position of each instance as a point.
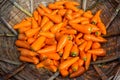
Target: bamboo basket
(9, 55)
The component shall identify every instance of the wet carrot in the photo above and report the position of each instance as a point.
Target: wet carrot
(68, 63)
(102, 27)
(34, 23)
(47, 10)
(56, 27)
(74, 66)
(96, 45)
(38, 43)
(67, 49)
(36, 15)
(62, 42)
(64, 72)
(98, 52)
(22, 44)
(47, 49)
(74, 51)
(32, 32)
(47, 34)
(22, 37)
(77, 73)
(83, 55)
(82, 46)
(88, 46)
(40, 11)
(80, 62)
(87, 62)
(44, 21)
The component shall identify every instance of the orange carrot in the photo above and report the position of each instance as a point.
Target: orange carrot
(31, 40)
(47, 34)
(34, 23)
(22, 37)
(67, 50)
(22, 44)
(47, 26)
(35, 59)
(94, 57)
(60, 2)
(87, 62)
(82, 46)
(52, 68)
(85, 22)
(68, 63)
(39, 20)
(64, 72)
(24, 29)
(75, 15)
(50, 41)
(98, 33)
(38, 43)
(47, 10)
(72, 3)
(61, 52)
(96, 45)
(48, 49)
(102, 27)
(26, 59)
(36, 15)
(83, 55)
(87, 15)
(56, 27)
(80, 62)
(77, 38)
(98, 52)
(74, 66)
(32, 32)
(88, 46)
(69, 31)
(74, 51)
(62, 12)
(62, 42)
(79, 41)
(53, 6)
(56, 63)
(77, 73)
(54, 12)
(70, 6)
(44, 21)
(40, 11)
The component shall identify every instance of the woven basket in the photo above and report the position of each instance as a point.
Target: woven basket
(9, 54)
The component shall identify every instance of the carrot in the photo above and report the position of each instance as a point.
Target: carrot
(71, 6)
(80, 62)
(72, 3)
(59, 2)
(62, 42)
(36, 15)
(79, 41)
(83, 55)
(87, 15)
(22, 24)
(26, 52)
(98, 52)
(47, 34)
(94, 38)
(64, 72)
(53, 6)
(82, 46)
(42, 57)
(84, 28)
(77, 73)
(22, 37)
(52, 68)
(40, 11)
(35, 59)
(34, 23)
(24, 29)
(95, 18)
(96, 45)
(44, 21)
(62, 12)
(47, 10)
(74, 51)
(26, 59)
(22, 44)
(94, 57)
(87, 62)
(56, 63)
(85, 22)
(38, 43)
(67, 50)
(56, 27)
(39, 20)
(77, 38)
(31, 40)
(58, 36)
(47, 26)
(52, 55)
(75, 15)
(80, 11)
(70, 70)
(69, 31)
(50, 41)
(55, 18)
(32, 32)
(98, 33)
(74, 66)
(88, 46)
(61, 52)
(68, 63)
(48, 49)
(102, 27)
(55, 12)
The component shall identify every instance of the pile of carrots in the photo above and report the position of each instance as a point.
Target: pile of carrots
(61, 37)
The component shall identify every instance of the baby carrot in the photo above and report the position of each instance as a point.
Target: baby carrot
(40, 11)
(24, 29)
(52, 68)
(47, 34)
(102, 27)
(39, 20)
(62, 42)
(94, 57)
(35, 59)
(83, 55)
(55, 12)
(56, 63)
(55, 18)
(44, 21)
(50, 41)
(80, 62)
(32, 32)
(47, 10)
(47, 49)
(78, 36)
(96, 45)
(87, 15)
(98, 33)
(53, 6)
(31, 40)
(77, 73)
(72, 7)
(79, 41)
(56, 27)
(69, 31)
(64, 72)
(62, 12)
(38, 43)
(22, 44)
(26, 59)
(75, 15)
(67, 49)
(35, 15)
(60, 2)
(87, 62)
(72, 3)
(85, 22)
(74, 66)
(98, 52)
(34, 23)
(61, 52)
(68, 63)
(74, 51)
(82, 46)
(88, 46)
(22, 37)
